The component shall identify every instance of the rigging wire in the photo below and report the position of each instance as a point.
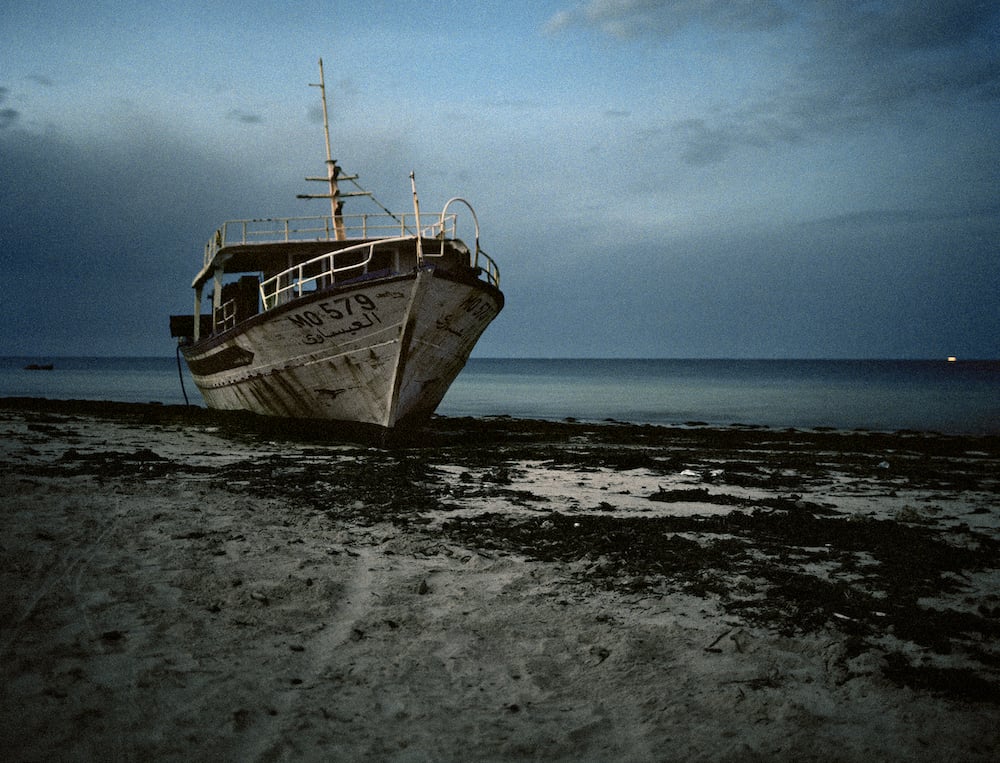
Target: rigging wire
(180, 374)
(377, 203)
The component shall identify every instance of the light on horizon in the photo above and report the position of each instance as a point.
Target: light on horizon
(952, 358)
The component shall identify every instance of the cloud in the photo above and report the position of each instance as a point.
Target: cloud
(822, 69)
(7, 116)
(912, 288)
(857, 220)
(627, 19)
(244, 117)
(704, 145)
(899, 51)
(131, 214)
(913, 24)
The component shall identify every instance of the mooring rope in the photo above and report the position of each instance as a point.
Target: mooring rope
(180, 374)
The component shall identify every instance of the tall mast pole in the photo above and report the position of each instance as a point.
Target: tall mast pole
(332, 170)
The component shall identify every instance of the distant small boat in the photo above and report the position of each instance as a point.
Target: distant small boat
(39, 367)
(363, 319)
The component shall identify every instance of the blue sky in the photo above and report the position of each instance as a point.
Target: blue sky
(655, 179)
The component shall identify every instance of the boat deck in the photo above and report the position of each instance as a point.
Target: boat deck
(257, 265)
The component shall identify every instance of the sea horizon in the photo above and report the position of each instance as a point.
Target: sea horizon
(960, 396)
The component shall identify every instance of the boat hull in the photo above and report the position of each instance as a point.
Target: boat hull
(380, 352)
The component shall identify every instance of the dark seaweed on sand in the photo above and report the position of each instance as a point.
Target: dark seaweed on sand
(779, 561)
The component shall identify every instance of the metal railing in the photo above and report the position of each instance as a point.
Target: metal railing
(308, 275)
(322, 270)
(482, 261)
(487, 267)
(270, 230)
(381, 230)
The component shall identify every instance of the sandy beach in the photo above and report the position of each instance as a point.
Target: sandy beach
(181, 585)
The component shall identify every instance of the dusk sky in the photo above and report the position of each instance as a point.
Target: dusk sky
(697, 178)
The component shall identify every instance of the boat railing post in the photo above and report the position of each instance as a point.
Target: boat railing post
(416, 220)
(475, 222)
(216, 294)
(197, 313)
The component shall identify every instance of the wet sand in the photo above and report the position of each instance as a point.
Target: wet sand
(176, 584)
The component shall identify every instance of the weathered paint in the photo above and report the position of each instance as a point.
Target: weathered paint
(381, 353)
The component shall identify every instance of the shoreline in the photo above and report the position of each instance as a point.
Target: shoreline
(178, 582)
(198, 414)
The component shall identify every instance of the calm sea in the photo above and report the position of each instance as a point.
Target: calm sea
(959, 397)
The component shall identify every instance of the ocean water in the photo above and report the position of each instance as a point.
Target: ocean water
(959, 397)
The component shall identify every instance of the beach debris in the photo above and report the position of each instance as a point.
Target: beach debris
(498, 476)
(773, 680)
(436, 549)
(908, 513)
(258, 596)
(242, 719)
(695, 495)
(712, 647)
(192, 535)
(734, 637)
(145, 454)
(423, 589)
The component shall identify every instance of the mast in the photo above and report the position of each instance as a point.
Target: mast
(332, 170)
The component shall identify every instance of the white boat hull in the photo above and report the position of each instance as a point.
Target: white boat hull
(381, 352)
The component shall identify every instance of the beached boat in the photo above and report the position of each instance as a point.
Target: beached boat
(365, 319)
